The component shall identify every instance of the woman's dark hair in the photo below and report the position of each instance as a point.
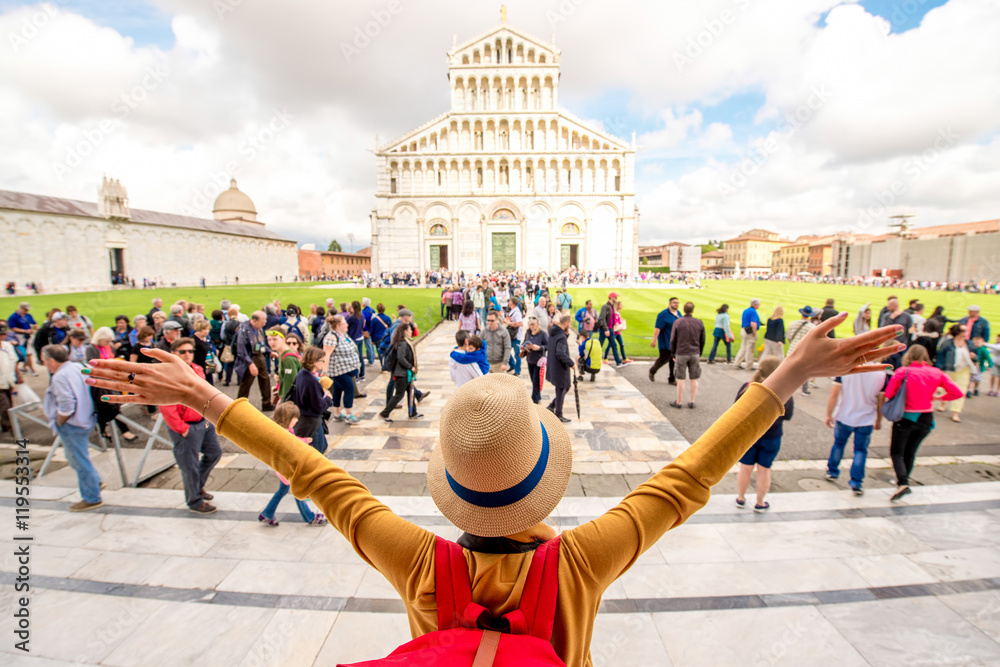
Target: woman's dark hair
(400, 333)
(467, 308)
(217, 315)
(311, 356)
(356, 308)
(145, 332)
(292, 309)
(343, 306)
(119, 318)
(181, 341)
(956, 330)
(723, 308)
(938, 311)
(320, 311)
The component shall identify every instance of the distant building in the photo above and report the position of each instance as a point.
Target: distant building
(751, 252)
(807, 254)
(505, 180)
(324, 264)
(69, 245)
(712, 261)
(680, 257)
(964, 252)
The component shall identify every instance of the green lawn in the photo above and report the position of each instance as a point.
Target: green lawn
(640, 306)
(102, 307)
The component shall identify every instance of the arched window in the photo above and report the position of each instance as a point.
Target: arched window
(438, 229)
(570, 229)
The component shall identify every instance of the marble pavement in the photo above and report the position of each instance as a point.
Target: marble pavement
(826, 579)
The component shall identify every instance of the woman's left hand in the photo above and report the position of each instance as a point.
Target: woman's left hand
(170, 382)
(819, 356)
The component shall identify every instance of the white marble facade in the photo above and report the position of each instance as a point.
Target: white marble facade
(505, 180)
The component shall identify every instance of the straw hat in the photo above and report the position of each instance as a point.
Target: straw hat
(502, 463)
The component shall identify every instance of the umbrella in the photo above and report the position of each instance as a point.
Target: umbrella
(576, 394)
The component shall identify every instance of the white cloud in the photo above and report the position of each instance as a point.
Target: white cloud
(867, 101)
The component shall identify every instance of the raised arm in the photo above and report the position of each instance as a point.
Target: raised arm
(349, 506)
(601, 550)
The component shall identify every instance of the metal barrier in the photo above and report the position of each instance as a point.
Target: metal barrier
(154, 436)
(24, 411)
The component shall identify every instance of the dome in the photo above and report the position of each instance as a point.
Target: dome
(234, 205)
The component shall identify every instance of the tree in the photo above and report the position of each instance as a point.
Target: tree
(335, 246)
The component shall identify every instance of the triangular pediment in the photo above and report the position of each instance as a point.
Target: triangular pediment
(503, 33)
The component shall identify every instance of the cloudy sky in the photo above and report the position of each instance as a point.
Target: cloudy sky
(805, 116)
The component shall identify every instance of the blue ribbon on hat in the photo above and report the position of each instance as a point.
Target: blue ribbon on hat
(510, 495)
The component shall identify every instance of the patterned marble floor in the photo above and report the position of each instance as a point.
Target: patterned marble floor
(617, 422)
(829, 579)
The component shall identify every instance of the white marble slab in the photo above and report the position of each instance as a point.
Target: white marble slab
(121, 568)
(356, 637)
(183, 634)
(186, 572)
(915, 631)
(160, 535)
(289, 541)
(627, 639)
(279, 578)
(980, 609)
(78, 626)
(959, 564)
(783, 636)
(293, 637)
(696, 543)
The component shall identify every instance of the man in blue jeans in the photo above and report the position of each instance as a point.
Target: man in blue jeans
(70, 411)
(854, 406)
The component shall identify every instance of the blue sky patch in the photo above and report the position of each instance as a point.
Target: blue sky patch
(146, 24)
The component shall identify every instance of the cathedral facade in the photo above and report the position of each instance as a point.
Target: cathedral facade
(505, 180)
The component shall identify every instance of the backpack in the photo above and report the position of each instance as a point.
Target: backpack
(468, 635)
(388, 359)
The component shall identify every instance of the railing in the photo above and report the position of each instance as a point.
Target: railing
(24, 412)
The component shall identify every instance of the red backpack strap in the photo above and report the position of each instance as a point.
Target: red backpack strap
(453, 590)
(537, 612)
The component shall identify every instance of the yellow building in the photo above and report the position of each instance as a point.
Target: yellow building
(791, 259)
(712, 261)
(751, 252)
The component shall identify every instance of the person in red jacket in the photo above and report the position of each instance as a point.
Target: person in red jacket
(196, 447)
(922, 381)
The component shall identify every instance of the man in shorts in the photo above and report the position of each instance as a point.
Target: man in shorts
(687, 340)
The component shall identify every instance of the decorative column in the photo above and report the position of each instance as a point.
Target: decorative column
(584, 257)
(553, 247)
(453, 262)
(421, 251)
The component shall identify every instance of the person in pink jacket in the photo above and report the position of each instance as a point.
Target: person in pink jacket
(922, 381)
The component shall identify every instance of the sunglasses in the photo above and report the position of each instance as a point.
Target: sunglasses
(185, 351)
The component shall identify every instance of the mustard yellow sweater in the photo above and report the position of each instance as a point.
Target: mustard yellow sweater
(591, 556)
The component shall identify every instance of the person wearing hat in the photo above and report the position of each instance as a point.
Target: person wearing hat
(52, 332)
(10, 377)
(22, 325)
(170, 331)
(797, 331)
(975, 325)
(498, 480)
